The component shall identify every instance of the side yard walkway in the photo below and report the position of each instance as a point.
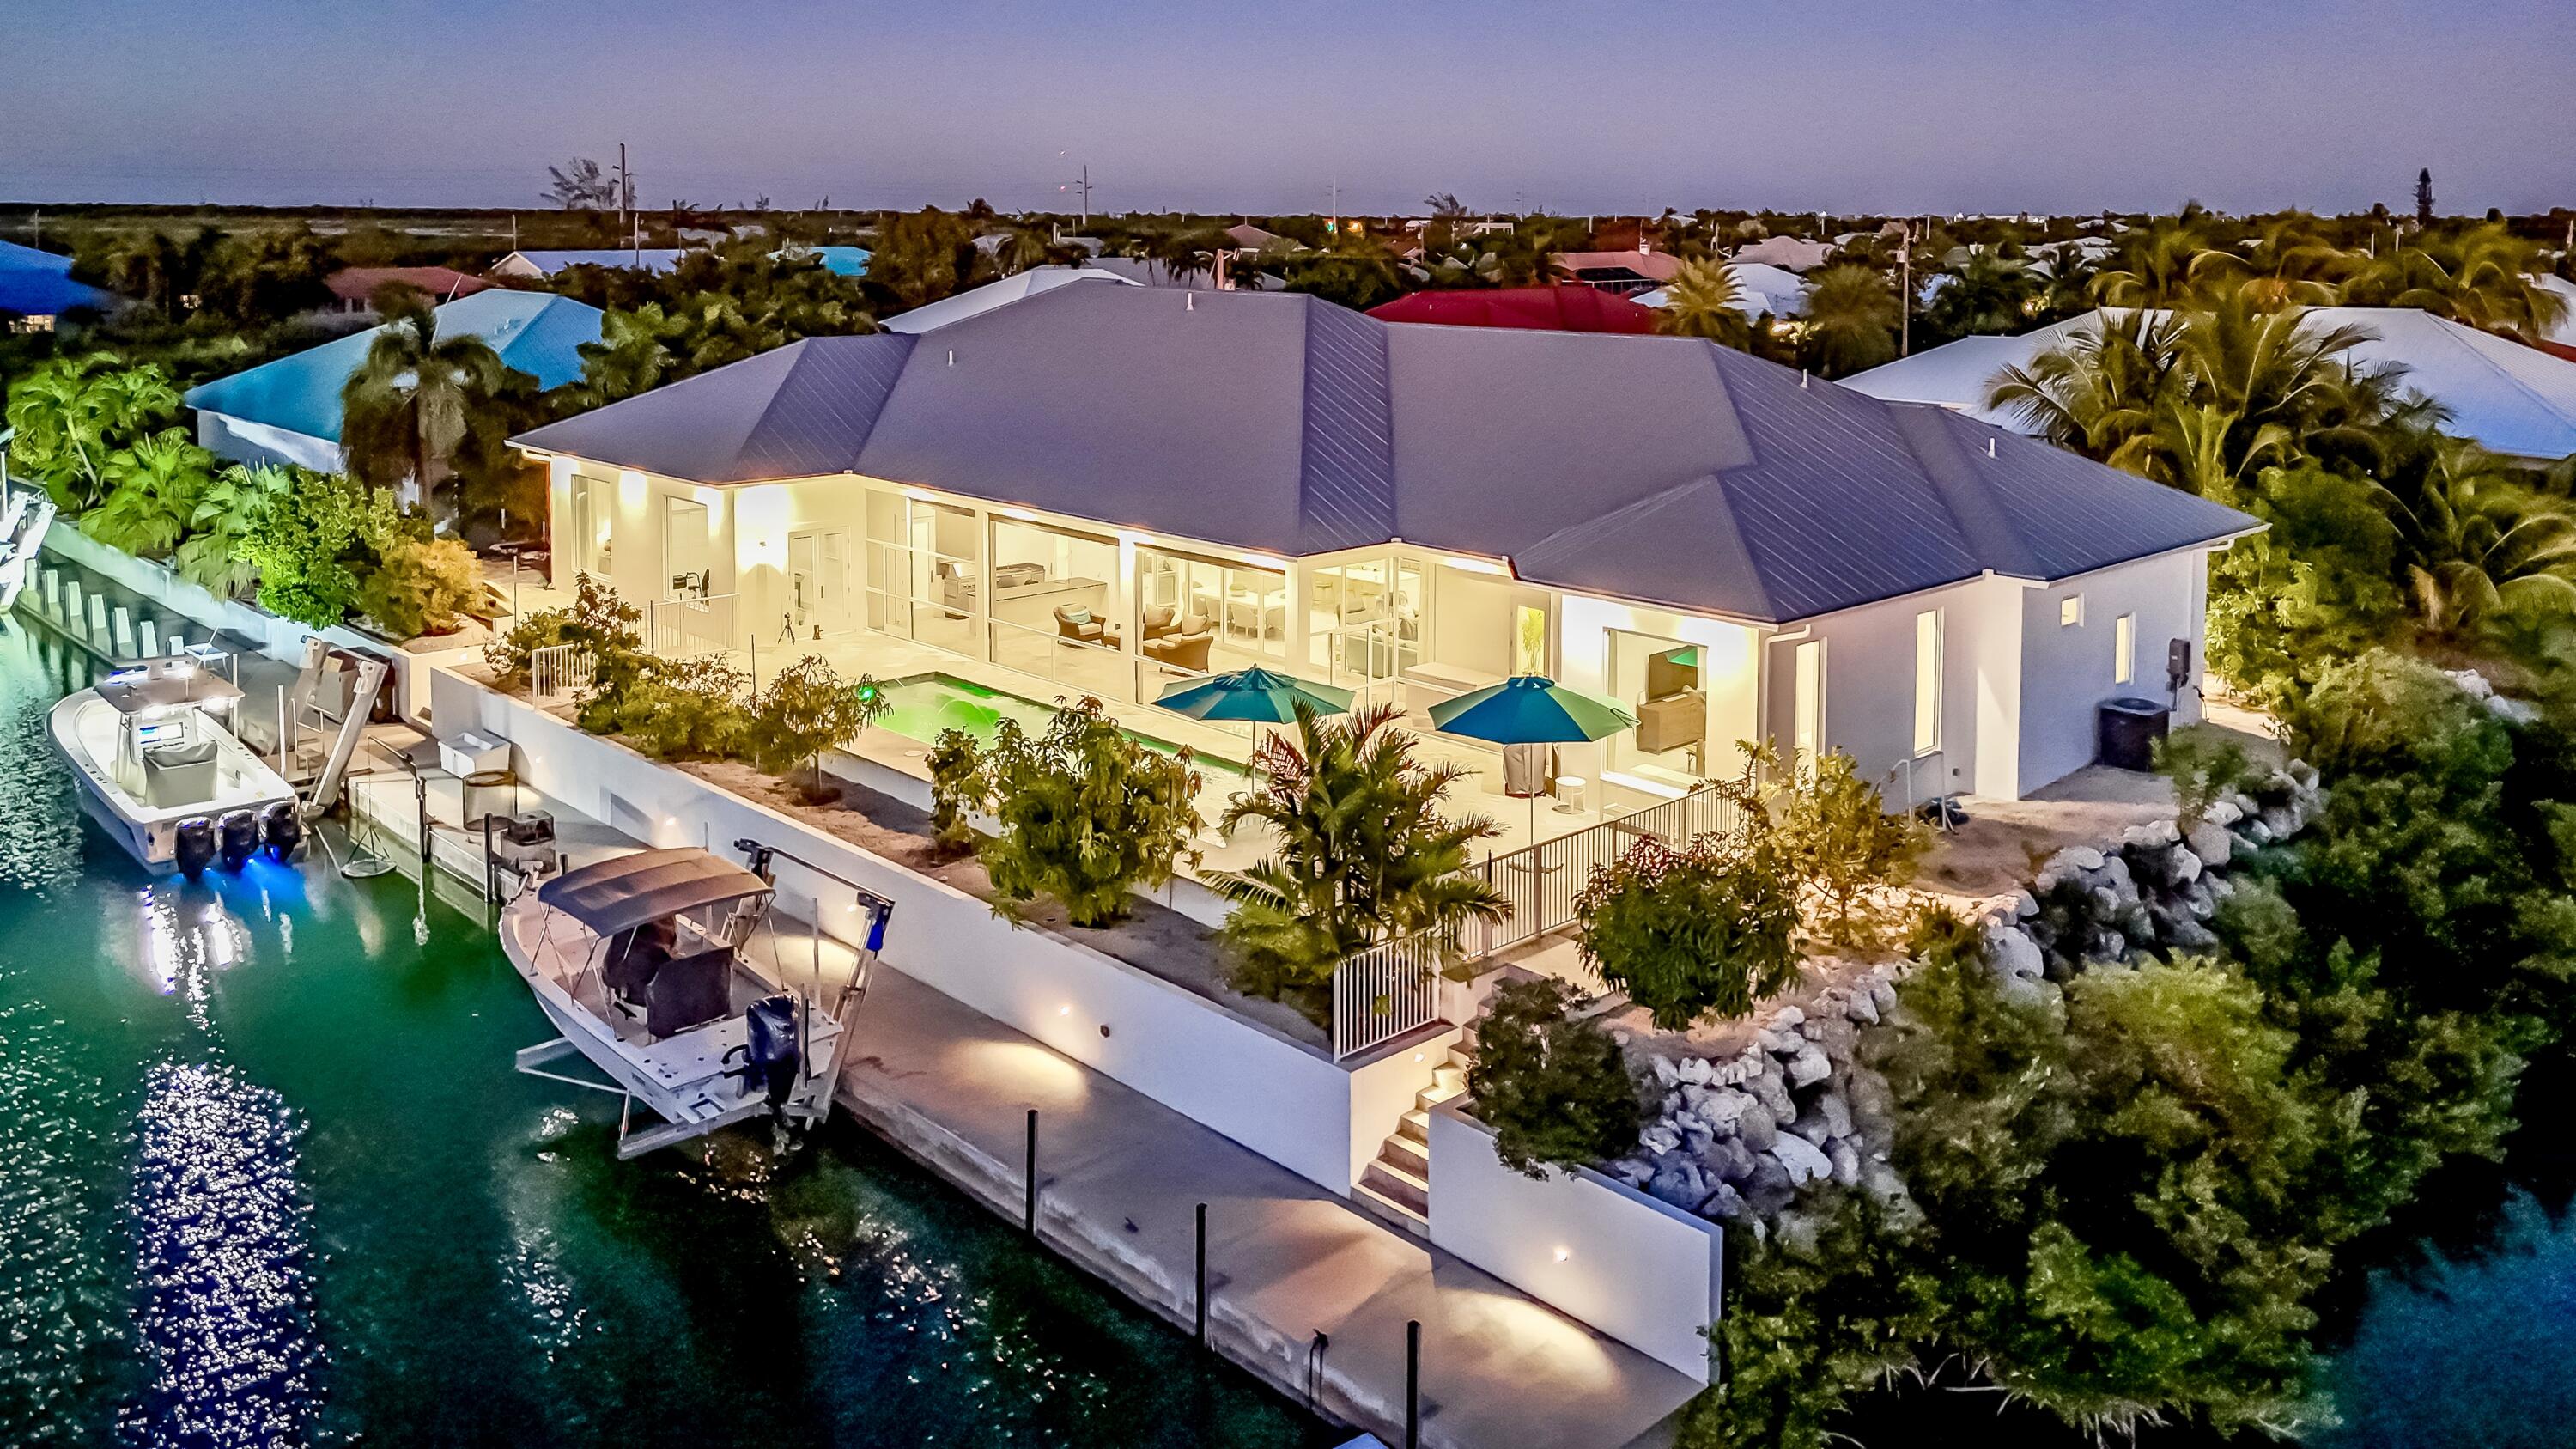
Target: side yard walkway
(1119, 1176)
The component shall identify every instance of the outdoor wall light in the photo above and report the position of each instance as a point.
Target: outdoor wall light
(1564, 1253)
(1065, 1010)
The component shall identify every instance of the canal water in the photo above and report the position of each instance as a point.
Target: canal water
(267, 1177)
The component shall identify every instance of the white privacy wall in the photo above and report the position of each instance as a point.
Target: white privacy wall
(1641, 1271)
(1285, 1100)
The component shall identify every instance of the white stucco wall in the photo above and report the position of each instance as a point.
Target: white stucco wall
(1642, 1271)
(2067, 668)
(1281, 1098)
(1869, 688)
(1730, 672)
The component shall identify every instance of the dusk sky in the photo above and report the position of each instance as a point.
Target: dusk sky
(1884, 105)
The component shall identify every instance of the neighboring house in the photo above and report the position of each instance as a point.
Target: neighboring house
(1760, 290)
(1567, 307)
(538, 265)
(288, 411)
(1253, 239)
(1625, 273)
(36, 289)
(1113, 487)
(840, 261)
(975, 301)
(353, 289)
(1789, 253)
(2512, 399)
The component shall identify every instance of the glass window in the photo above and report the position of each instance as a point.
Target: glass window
(1927, 681)
(2070, 611)
(2124, 649)
(1807, 725)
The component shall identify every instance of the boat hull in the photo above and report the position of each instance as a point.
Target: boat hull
(148, 834)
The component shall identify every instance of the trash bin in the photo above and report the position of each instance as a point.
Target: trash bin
(2130, 728)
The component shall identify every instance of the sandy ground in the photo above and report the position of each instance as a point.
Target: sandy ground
(1153, 938)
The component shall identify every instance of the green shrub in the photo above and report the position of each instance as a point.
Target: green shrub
(956, 788)
(153, 488)
(2204, 762)
(1707, 928)
(807, 709)
(597, 619)
(234, 505)
(301, 549)
(1087, 814)
(1555, 1090)
(687, 709)
(420, 586)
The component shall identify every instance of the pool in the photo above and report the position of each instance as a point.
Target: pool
(267, 1177)
(926, 704)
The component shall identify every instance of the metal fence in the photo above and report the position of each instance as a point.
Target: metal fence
(1383, 992)
(557, 673)
(686, 628)
(1542, 880)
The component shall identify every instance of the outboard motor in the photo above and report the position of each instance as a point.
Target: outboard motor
(282, 826)
(193, 846)
(237, 839)
(769, 1029)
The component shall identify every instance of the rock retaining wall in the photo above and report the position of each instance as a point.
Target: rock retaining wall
(1744, 1137)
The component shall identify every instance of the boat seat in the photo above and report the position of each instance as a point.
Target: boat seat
(689, 991)
(176, 775)
(634, 959)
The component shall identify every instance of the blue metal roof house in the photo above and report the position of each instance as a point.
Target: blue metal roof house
(288, 411)
(36, 287)
(1109, 487)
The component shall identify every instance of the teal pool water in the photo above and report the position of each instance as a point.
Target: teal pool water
(921, 707)
(267, 1177)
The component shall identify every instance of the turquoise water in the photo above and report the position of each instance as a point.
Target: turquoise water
(267, 1177)
(920, 708)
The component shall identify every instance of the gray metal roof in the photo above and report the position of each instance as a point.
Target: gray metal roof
(1662, 469)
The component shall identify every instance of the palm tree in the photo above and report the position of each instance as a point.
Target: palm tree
(1021, 248)
(406, 408)
(1702, 301)
(70, 415)
(2099, 392)
(1360, 853)
(2288, 264)
(2153, 263)
(1852, 317)
(2481, 278)
(2479, 541)
(153, 492)
(1988, 294)
(228, 512)
(1184, 252)
(633, 354)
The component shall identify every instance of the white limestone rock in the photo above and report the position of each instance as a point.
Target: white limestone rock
(1694, 1071)
(2211, 842)
(2025, 905)
(1660, 1138)
(2182, 865)
(1809, 1067)
(1845, 1160)
(1666, 1074)
(1803, 1161)
(2010, 953)
(1787, 1018)
(1757, 1127)
(1861, 1007)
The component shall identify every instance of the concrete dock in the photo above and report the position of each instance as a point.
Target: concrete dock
(1119, 1178)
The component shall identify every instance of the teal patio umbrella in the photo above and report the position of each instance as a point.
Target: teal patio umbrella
(1255, 696)
(1252, 696)
(1528, 709)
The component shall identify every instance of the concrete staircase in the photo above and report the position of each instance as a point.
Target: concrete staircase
(1396, 1185)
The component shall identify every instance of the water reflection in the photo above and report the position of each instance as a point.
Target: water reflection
(226, 1310)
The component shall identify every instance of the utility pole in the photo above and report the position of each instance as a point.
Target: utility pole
(1905, 291)
(626, 204)
(1337, 206)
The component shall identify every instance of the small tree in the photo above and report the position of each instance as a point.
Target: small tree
(807, 709)
(1555, 1090)
(686, 709)
(1706, 928)
(1835, 836)
(2204, 763)
(957, 786)
(1087, 813)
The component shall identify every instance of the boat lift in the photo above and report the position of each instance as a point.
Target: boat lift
(808, 1098)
